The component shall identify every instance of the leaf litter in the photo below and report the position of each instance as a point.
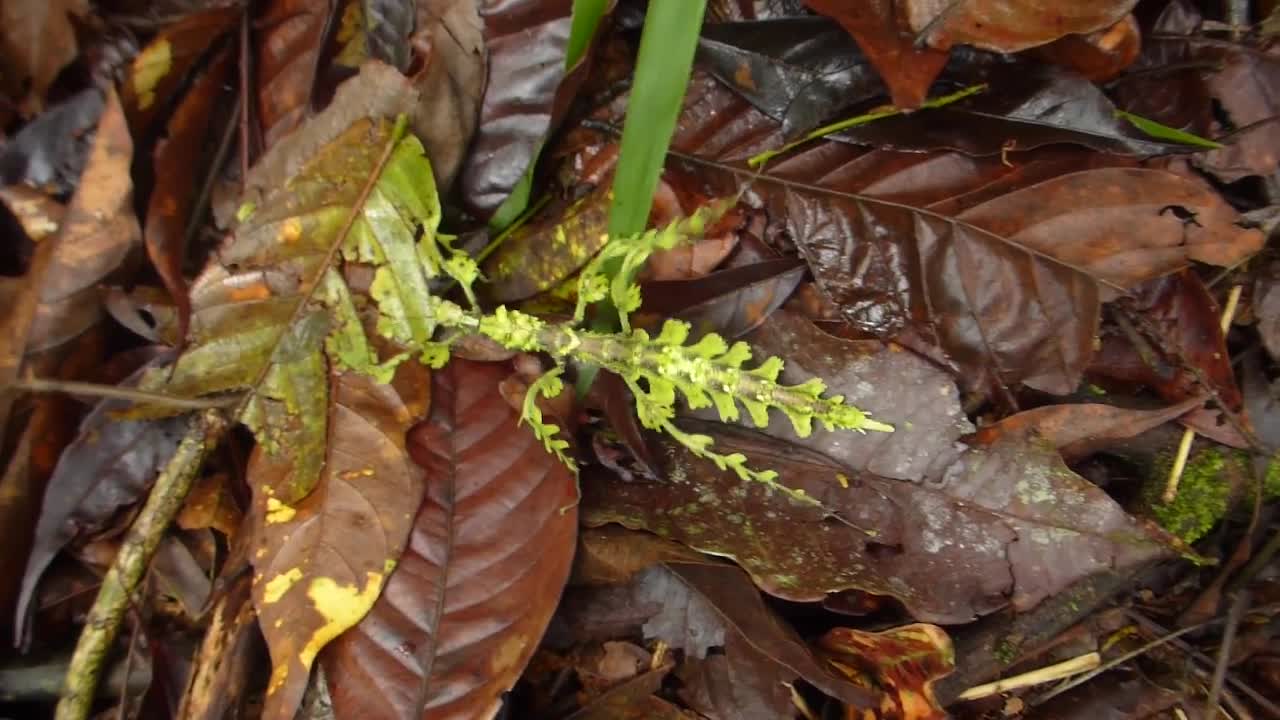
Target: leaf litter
(1026, 285)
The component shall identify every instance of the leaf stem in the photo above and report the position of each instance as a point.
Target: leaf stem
(877, 114)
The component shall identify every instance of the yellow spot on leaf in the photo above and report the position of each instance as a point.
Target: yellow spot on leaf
(246, 293)
(291, 232)
(843, 480)
(509, 654)
(278, 512)
(152, 64)
(279, 674)
(342, 606)
(280, 585)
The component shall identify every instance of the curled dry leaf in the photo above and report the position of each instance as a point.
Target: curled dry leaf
(108, 467)
(1008, 25)
(1080, 429)
(902, 662)
(160, 69)
(288, 58)
(37, 40)
(489, 553)
(449, 40)
(179, 158)
(60, 300)
(322, 562)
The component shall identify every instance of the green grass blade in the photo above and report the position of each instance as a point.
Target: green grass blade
(665, 61)
(1164, 132)
(586, 18)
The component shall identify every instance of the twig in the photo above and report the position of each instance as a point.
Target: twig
(1067, 668)
(1184, 447)
(1271, 708)
(72, 387)
(1234, 614)
(122, 579)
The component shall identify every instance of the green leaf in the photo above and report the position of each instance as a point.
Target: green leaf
(586, 20)
(663, 65)
(1164, 132)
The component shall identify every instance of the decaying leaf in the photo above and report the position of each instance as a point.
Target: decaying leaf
(106, 469)
(541, 254)
(36, 42)
(696, 607)
(901, 662)
(1005, 525)
(1004, 266)
(60, 298)
(489, 553)
(1008, 25)
(449, 39)
(322, 562)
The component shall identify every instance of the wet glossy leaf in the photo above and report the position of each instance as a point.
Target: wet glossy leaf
(730, 302)
(797, 70)
(489, 553)
(1026, 105)
(1004, 266)
(884, 35)
(894, 385)
(1181, 321)
(1005, 525)
(525, 98)
(901, 662)
(109, 467)
(321, 563)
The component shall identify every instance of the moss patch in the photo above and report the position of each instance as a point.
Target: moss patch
(1204, 493)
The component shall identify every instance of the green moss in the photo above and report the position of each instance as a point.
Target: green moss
(1203, 494)
(1007, 650)
(1271, 483)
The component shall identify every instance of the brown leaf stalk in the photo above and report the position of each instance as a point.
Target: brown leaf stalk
(126, 572)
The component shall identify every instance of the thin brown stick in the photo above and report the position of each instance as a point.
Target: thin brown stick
(114, 392)
(131, 562)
